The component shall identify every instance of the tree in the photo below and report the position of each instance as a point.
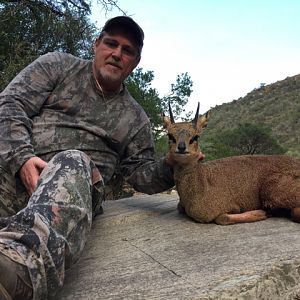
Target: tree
(59, 7)
(179, 95)
(31, 28)
(246, 139)
(139, 86)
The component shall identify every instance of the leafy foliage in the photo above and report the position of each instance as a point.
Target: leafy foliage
(252, 139)
(32, 28)
(178, 97)
(139, 86)
(161, 146)
(246, 139)
(215, 149)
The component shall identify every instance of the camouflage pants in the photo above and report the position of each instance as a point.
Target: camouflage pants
(50, 232)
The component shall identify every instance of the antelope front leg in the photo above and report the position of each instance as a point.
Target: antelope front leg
(246, 217)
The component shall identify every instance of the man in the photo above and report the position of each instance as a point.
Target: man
(65, 123)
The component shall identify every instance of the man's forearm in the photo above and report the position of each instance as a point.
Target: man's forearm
(152, 177)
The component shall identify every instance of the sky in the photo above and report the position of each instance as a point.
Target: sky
(228, 47)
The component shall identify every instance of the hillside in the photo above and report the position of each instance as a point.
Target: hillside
(276, 106)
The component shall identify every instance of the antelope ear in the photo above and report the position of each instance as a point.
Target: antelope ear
(203, 120)
(166, 121)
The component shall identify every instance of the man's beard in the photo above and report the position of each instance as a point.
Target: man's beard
(109, 78)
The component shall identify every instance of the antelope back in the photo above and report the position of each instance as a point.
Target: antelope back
(183, 136)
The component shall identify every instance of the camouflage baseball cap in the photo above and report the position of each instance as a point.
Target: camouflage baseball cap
(128, 25)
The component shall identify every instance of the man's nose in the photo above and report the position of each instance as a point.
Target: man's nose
(117, 53)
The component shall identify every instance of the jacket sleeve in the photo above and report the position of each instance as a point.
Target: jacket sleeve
(20, 101)
(141, 170)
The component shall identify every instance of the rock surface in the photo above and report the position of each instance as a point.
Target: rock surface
(142, 248)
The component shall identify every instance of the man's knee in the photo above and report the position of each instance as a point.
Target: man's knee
(79, 161)
(71, 158)
(71, 154)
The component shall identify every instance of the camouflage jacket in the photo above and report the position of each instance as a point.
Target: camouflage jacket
(55, 105)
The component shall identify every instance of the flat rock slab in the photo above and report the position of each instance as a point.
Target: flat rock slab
(142, 248)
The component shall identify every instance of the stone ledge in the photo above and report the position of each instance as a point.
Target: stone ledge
(142, 248)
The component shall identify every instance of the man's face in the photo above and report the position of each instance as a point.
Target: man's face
(116, 56)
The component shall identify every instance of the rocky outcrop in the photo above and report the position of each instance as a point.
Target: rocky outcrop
(142, 248)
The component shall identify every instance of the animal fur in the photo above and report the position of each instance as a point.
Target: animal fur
(229, 190)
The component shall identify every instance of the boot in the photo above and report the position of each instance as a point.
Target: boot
(15, 283)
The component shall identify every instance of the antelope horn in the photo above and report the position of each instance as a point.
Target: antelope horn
(197, 115)
(171, 114)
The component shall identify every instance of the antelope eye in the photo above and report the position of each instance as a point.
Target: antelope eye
(194, 139)
(171, 138)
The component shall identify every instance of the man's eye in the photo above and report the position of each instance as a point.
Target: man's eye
(111, 44)
(171, 138)
(194, 139)
(129, 51)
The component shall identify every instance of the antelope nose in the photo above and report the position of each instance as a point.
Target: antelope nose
(181, 147)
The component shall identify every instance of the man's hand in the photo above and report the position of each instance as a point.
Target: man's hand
(30, 173)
